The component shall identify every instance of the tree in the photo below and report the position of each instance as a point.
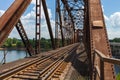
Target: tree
(118, 76)
(14, 41)
(115, 40)
(19, 44)
(9, 42)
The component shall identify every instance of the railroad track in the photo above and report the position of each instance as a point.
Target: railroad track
(41, 68)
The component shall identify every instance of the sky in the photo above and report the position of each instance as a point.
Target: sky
(111, 10)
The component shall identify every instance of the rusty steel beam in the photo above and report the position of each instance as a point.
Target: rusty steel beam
(48, 22)
(69, 13)
(87, 34)
(107, 59)
(101, 70)
(96, 40)
(24, 38)
(56, 27)
(10, 18)
(59, 12)
(38, 26)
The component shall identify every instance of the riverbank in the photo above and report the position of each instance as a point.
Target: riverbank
(23, 49)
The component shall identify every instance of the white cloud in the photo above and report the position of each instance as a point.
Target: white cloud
(113, 25)
(44, 29)
(33, 2)
(31, 15)
(28, 21)
(1, 12)
(115, 19)
(106, 18)
(102, 8)
(49, 12)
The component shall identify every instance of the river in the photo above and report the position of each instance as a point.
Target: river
(13, 55)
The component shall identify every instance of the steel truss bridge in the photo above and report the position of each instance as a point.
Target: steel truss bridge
(79, 25)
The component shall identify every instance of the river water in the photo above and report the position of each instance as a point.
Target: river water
(13, 55)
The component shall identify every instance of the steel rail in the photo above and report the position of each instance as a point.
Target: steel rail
(23, 65)
(38, 61)
(54, 68)
(47, 71)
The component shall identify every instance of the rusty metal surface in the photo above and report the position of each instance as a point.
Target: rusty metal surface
(59, 19)
(10, 18)
(38, 26)
(70, 20)
(24, 38)
(99, 39)
(109, 61)
(67, 6)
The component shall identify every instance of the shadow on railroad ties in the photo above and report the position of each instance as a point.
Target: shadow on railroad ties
(80, 63)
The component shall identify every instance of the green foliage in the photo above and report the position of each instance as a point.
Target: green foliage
(12, 42)
(19, 44)
(8, 42)
(13, 45)
(118, 76)
(115, 40)
(45, 44)
(32, 42)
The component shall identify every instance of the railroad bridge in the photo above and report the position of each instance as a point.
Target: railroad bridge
(85, 51)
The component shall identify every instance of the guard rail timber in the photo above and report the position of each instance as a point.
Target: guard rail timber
(103, 59)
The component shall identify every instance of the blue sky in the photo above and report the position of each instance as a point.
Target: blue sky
(111, 6)
(111, 10)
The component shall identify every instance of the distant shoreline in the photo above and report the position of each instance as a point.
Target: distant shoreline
(23, 49)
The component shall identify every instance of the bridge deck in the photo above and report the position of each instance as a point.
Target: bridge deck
(23, 61)
(65, 58)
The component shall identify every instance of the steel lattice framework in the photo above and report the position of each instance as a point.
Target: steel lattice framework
(75, 21)
(69, 20)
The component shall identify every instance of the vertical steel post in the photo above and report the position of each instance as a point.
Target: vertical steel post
(101, 70)
(88, 37)
(37, 27)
